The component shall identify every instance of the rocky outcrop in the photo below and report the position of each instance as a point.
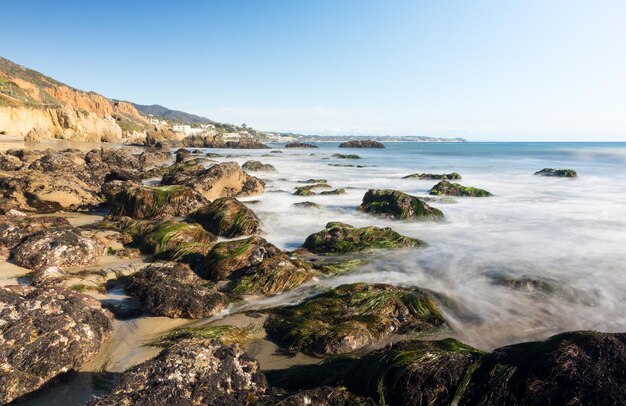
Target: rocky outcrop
(300, 145)
(362, 144)
(191, 372)
(351, 317)
(177, 241)
(227, 217)
(257, 166)
(220, 180)
(156, 202)
(45, 333)
(445, 188)
(432, 176)
(60, 247)
(15, 228)
(341, 238)
(10, 163)
(559, 173)
(397, 205)
(171, 289)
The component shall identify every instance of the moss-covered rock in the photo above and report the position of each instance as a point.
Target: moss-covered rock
(313, 180)
(178, 241)
(432, 176)
(340, 191)
(351, 317)
(228, 217)
(307, 205)
(156, 202)
(257, 166)
(346, 156)
(226, 334)
(454, 189)
(341, 238)
(308, 190)
(254, 266)
(397, 205)
(561, 173)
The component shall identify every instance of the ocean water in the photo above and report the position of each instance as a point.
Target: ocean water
(569, 234)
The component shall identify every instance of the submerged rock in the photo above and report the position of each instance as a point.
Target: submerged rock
(156, 202)
(300, 145)
(307, 205)
(346, 156)
(171, 289)
(561, 173)
(341, 238)
(454, 189)
(45, 333)
(59, 247)
(257, 166)
(431, 176)
(254, 266)
(340, 191)
(220, 180)
(227, 217)
(351, 317)
(397, 205)
(191, 372)
(308, 190)
(361, 144)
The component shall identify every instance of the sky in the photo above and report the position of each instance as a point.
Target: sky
(486, 70)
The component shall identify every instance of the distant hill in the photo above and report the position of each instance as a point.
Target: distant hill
(172, 115)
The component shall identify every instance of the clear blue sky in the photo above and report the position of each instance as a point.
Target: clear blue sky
(484, 70)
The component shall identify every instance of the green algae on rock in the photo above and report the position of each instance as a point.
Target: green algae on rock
(177, 241)
(341, 238)
(226, 334)
(454, 189)
(257, 166)
(308, 190)
(227, 217)
(156, 202)
(340, 191)
(397, 205)
(350, 317)
(431, 176)
(560, 173)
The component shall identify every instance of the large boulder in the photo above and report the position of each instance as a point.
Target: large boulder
(152, 157)
(118, 158)
(58, 161)
(178, 241)
(341, 238)
(254, 266)
(47, 192)
(362, 144)
(172, 289)
(257, 166)
(227, 217)
(156, 202)
(60, 247)
(560, 173)
(350, 317)
(45, 333)
(445, 188)
(15, 228)
(398, 205)
(221, 180)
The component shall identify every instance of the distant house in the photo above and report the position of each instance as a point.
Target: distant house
(231, 136)
(186, 129)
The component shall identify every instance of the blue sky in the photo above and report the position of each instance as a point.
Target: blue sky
(484, 70)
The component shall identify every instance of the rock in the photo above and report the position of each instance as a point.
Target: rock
(10, 163)
(14, 229)
(313, 181)
(54, 161)
(152, 157)
(340, 191)
(561, 173)
(117, 158)
(307, 205)
(227, 217)
(254, 266)
(431, 176)
(61, 247)
(300, 145)
(50, 276)
(45, 333)
(257, 166)
(246, 143)
(346, 156)
(178, 241)
(350, 317)
(47, 192)
(172, 289)
(308, 190)
(362, 144)
(220, 180)
(191, 372)
(341, 238)
(156, 202)
(320, 396)
(397, 205)
(454, 189)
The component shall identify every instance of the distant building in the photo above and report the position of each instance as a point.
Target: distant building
(231, 136)
(186, 129)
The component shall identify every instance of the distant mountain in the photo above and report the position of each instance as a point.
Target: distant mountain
(172, 115)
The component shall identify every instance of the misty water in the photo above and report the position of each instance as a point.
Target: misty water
(566, 235)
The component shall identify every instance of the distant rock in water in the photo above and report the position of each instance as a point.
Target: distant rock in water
(560, 173)
(397, 205)
(574, 368)
(346, 156)
(228, 217)
(454, 189)
(340, 191)
(431, 176)
(300, 145)
(307, 205)
(45, 333)
(362, 144)
(191, 372)
(350, 317)
(257, 166)
(341, 238)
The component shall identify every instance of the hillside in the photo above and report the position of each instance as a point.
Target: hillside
(164, 113)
